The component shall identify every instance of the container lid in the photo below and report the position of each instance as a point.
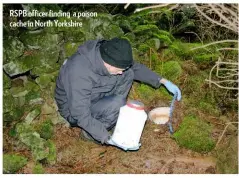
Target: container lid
(135, 104)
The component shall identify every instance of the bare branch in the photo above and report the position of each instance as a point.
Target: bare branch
(226, 19)
(150, 7)
(126, 6)
(212, 20)
(227, 124)
(220, 49)
(216, 42)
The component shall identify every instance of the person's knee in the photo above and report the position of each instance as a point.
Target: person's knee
(117, 102)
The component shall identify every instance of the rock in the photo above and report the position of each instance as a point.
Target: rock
(71, 48)
(41, 40)
(12, 49)
(18, 91)
(45, 129)
(51, 158)
(12, 163)
(46, 109)
(35, 143)
(44, 80)
(14, 115)
(8, 101)
(15, 68)
(32, 115)
(6, 81)
(58, 119)
(45, 62)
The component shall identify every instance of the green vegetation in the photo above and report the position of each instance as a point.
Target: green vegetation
(38, 169)
(12, 163)
(159, 39)
(195, 135)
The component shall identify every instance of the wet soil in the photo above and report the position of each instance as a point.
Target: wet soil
(159, 154)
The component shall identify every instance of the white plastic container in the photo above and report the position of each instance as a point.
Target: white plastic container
(130, 124)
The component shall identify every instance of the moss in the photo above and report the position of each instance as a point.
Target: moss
(45, 129)
(112, 31)
(38, 169)
(208, 107)
(144, 28)
(170, 70)
(32, 139)
(6, 81)
(8, 101)
(206, 57)
(164, 38)
(13, 115)
(41, 40)
(71, 48)
(194, 134)
(13, 48)
(32, 115)
(51, 158)
(44, 80)
(227, 156)
(146, 92)
(12, 163)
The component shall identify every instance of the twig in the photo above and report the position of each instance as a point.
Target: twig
(231, 24)
(229, 10)
(196, 35)
(220, 138)
(220, 86)
(126, 6)
(236, 49)
(213, 21)
(150, 7)
(216, 42)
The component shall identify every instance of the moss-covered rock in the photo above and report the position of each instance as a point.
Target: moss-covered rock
(8, 101)
(32, 115)
(6, 81)
(44, 80)
(32, 139)
(71, 48)
(194, 134)
(13, 115)
(41, 40)
(12, 163)
(38, 169)
(51, 158)
(16, 67)
(12, 49)
(45, 129)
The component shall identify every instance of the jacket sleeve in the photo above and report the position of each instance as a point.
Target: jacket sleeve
(80, 88)
(145, 75)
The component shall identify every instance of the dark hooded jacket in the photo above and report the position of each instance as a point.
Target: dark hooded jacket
(83, 79)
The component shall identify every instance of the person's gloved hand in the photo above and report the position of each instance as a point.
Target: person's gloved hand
(111, 142)
(173, 89)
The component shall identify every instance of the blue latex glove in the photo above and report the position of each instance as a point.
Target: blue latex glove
(111, 142)
(173, 89)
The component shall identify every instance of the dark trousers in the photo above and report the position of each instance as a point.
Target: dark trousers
(106, 109)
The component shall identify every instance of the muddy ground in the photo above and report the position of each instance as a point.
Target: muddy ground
(158, 154)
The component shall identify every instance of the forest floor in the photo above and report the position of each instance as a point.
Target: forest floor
(158, 154)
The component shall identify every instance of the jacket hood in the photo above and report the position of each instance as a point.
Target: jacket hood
(90, 50)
